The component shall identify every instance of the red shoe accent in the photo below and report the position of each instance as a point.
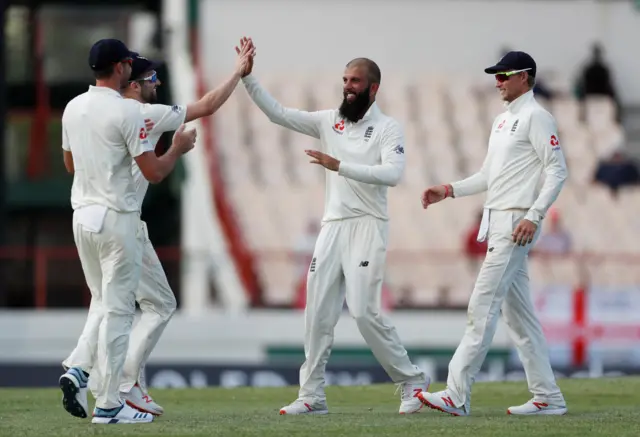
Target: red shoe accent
(132, 405)
(435, 407)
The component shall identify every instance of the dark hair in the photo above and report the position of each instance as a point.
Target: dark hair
(105, 73)
(373, 71)
(531, 81)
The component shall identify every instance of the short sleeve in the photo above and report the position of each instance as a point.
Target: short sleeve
(165, 118)
(134, 131)
(65, 139)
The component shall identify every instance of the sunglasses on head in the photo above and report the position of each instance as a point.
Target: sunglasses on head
(503, 77)
(153, 78)
(127, 61)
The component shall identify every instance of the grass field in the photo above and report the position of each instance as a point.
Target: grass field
(605, 407)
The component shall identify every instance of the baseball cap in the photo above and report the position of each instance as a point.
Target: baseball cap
(518, 61)
(107, 52)
(141, 65)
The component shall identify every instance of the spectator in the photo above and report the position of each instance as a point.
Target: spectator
(617, 171)
(596, 79)
(556, 240)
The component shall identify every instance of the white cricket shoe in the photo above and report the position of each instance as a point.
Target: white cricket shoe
(409, 401)
(73, 384)
(441, 401)
(140, 400)
(125, 414)
(300, 406)
(534, 407)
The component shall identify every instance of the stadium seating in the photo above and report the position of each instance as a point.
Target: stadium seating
(275, 192)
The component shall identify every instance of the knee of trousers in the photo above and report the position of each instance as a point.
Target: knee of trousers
(364, 317)
(172, 305)
(320, 325)
(167, 308)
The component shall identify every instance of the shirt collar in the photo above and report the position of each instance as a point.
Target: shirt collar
(372, 112)
(104, 90)
(518, 103)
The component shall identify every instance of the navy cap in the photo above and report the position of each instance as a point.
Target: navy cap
(107, 52)
(142, 65)
(514, 61)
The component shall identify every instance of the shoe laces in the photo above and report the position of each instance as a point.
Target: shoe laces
(405, 394)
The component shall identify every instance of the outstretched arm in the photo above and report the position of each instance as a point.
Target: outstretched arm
(214, 99)
(308, 123)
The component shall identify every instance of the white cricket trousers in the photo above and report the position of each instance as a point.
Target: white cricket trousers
(157, 304)
(503, 286)
(353, 251)
(112, 261)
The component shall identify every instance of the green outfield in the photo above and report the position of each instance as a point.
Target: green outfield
(604, 407)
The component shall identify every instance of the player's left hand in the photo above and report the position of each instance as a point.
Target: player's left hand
(524, 232)
(328, 162)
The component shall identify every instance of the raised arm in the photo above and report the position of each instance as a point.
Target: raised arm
(214, 99)
(390, 171)
(308, 123)
(543, 135)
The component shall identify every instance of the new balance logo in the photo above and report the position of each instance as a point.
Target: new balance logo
(515, 126)
(368, 133)
(312, 267)
(448, 402)
(364, 264)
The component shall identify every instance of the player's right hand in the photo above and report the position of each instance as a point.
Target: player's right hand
(184, 140)
(434, 195)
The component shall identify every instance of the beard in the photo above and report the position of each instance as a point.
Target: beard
(149, 96)
(355, 110)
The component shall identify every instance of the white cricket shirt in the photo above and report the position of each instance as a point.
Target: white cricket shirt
(104, 132)
(165, 118)
(523, 147)
(371, 153)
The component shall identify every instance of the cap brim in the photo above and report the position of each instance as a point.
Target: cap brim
(154, 65)
(496, 69)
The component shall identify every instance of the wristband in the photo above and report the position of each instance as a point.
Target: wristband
(446, 191)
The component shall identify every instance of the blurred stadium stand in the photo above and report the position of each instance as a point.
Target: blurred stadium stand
(275, 192)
